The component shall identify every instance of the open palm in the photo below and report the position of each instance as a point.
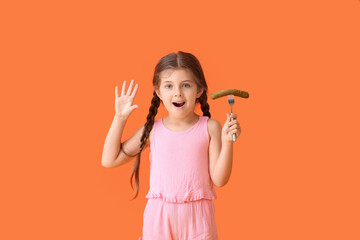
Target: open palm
(123, 103)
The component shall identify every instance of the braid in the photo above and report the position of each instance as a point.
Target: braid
(204, 105)
(155, 102)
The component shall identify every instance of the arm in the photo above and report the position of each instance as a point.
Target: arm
(221, 150)
(112, 143)
(112, 155)
(223, 166)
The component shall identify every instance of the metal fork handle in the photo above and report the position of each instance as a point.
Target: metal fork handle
(234, 135)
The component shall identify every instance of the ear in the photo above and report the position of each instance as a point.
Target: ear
(200, 92)
(157, 93)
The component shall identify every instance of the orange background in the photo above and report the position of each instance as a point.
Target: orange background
(296, 164)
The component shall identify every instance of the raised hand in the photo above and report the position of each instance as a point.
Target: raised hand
(123, 103)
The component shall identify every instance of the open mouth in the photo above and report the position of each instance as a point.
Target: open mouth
(179, 104)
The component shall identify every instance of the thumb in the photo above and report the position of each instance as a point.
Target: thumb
(227, 117)
(134, 107)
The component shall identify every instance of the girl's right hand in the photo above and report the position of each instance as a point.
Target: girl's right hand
(123, 103)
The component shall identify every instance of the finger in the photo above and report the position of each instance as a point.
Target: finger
(123, 88)
(134, 106)
(116, 92)
(228, 117)
(234, 115)
(233, 127)
(233, 121)
(234, 131)
(231, 131)
(130, 87)
(135, 90)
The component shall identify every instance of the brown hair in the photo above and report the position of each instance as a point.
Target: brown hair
(179, 60)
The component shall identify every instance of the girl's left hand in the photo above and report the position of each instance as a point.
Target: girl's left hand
(230, 127)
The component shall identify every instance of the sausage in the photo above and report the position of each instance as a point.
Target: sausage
(226, 92)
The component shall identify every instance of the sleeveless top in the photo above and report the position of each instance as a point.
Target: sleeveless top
(179, 163)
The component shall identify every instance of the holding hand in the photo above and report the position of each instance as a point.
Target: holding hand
(123, 103)
(230, 127)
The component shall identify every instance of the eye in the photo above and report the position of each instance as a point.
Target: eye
(187, 85)
(168, 85)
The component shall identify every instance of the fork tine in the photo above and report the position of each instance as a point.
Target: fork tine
(231, 99)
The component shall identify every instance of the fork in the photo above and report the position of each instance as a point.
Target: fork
(231, 100)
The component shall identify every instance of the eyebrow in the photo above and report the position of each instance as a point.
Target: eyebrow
(181, 81)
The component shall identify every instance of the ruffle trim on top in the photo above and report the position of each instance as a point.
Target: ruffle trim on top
(181, 199)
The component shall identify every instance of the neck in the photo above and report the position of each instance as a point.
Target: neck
(189, 119)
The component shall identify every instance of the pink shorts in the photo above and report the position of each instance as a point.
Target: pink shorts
(179, 221)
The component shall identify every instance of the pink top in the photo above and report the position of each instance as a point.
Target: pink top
(179, 163)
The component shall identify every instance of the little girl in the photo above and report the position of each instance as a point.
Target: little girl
(189, 154)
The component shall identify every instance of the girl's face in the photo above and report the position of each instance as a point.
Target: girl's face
(178, 92)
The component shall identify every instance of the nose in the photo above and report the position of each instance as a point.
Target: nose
(178, 92)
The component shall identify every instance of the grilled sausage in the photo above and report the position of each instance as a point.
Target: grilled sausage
(226, 92)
